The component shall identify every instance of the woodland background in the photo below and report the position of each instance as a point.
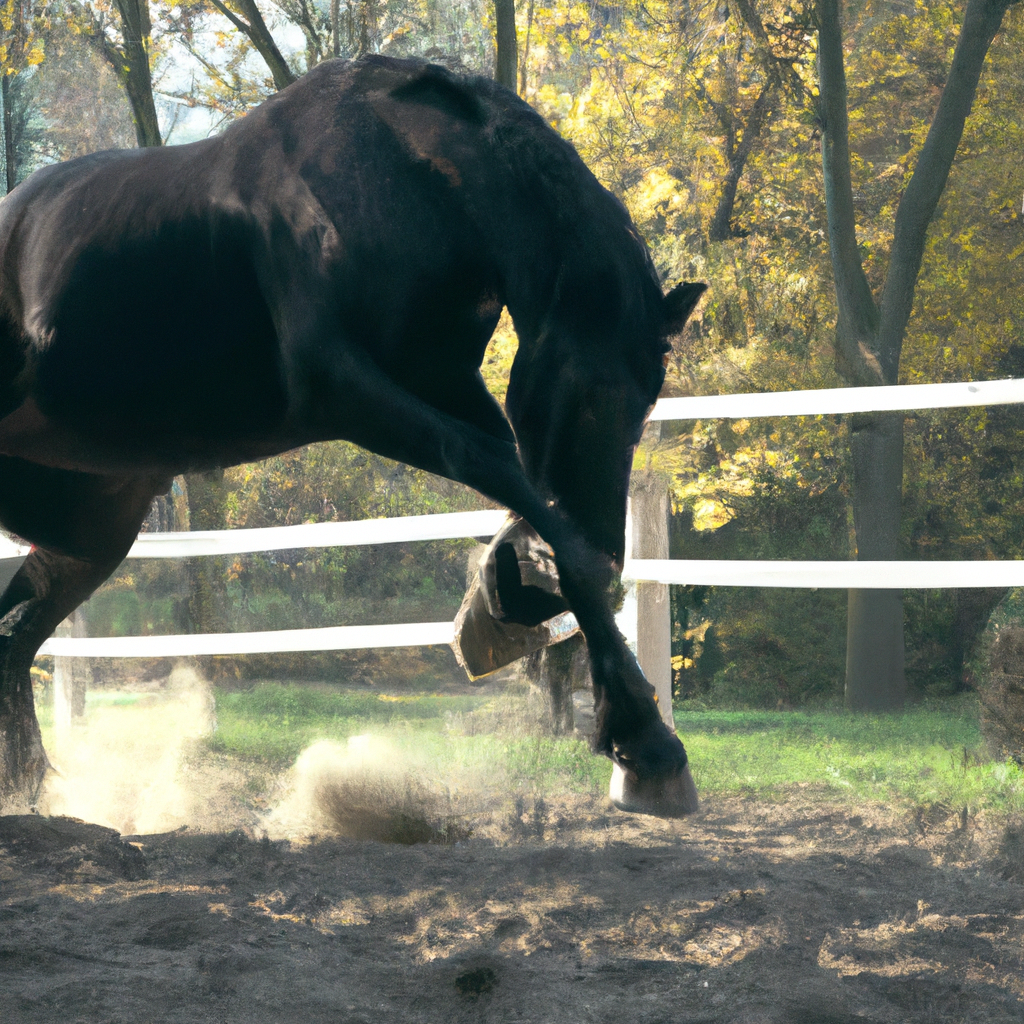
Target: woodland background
(702, 117)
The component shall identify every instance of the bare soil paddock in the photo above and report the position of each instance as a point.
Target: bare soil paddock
(795, 912)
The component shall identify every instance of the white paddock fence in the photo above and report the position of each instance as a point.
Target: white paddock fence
(814, 574)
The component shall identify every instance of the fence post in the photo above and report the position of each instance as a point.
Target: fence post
(70, 677)
(648, 604)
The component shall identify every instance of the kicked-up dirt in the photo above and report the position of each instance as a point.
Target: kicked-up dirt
(801, 912)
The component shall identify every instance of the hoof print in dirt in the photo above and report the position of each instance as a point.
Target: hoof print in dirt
(175, 920)
(69, 845)
(476, 982)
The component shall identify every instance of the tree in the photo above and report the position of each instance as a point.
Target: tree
(742, 81)
(78, 99)
(246, 17)
(526, 49)
(869, 334)
(451, 32)
(125, 41)
(21, 25)
(207, 510)
(507, 57)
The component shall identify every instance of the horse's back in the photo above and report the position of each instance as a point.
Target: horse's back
(184, 296)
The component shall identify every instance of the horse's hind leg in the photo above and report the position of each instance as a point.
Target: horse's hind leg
(97, 530)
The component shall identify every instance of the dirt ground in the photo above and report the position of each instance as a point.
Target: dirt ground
(805, 911)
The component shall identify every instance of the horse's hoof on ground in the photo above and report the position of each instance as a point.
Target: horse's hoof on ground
(671, 796)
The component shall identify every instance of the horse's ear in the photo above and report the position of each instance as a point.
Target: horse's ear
(679, 303)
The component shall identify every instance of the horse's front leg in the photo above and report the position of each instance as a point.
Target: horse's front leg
(652, 774)
(373, 411)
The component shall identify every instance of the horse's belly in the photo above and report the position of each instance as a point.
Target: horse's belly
(27, 434)
(109, 446)
(161, 334)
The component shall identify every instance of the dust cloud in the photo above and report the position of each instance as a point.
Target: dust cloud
(135, 763)
(369, 788)
(123, 766)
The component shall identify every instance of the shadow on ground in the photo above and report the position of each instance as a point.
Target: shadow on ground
(800, 912)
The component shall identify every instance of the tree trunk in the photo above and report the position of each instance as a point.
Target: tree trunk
(737, 156)
(507, 45)
(869, 337)
(10, 157)
(367, 25)
(130, 62)
(972, 607)
(135, 72)
(559, 670)
(526, 51)
(71, 677)
(875, 680)
(207, 509)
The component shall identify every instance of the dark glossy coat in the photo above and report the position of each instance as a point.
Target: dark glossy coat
(331, 266)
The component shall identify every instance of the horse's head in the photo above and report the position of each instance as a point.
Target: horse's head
(578, 398)
(580, 393)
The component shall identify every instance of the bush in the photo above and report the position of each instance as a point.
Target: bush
(763, 647)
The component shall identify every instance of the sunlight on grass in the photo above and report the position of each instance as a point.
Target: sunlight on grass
(928, 754)
(931, 753)
(274, 722)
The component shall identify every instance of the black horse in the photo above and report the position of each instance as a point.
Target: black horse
(331, 266)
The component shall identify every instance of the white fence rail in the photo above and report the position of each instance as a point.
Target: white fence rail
(446, 526)
(829, 575)
(328, 638)
(834, 401)
(820, 574)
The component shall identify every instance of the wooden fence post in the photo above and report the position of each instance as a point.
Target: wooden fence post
(70, 677)
(646, 617)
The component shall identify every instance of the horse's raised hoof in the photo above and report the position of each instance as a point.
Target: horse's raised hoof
(665, 796)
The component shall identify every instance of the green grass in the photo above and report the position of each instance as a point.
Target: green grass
(929, 754)
(93, 699)
(273, 722)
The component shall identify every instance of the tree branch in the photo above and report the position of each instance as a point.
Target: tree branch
(720, 110)
(760, 113)
(232, 17)
(917, 206)
(769, 58)
(857, 325)
(306, 21)
(259, 35)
